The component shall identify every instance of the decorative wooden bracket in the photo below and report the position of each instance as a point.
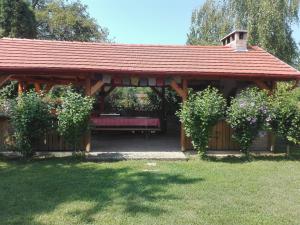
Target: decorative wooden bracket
(295, 85)
(96, 87)
(109, 91)
(37, 87)
(182, 92)
(262, 85)
(48, 87)
(3, 79)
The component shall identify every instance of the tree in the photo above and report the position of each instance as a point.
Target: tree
(269, 25)
(209, 24)
(17, 19)
(268, 22)
(68, 21)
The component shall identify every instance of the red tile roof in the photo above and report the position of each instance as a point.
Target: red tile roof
(219, 61)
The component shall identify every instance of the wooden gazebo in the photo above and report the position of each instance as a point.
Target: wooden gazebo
(97, 65)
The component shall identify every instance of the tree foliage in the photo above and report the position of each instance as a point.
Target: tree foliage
(73, 116)
(17, 19)
(68, 21)
(268, 22)
(209, 24)
(30, 117)
(285, 109)
(200, 113)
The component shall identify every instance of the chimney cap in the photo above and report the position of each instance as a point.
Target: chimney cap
(233, 32)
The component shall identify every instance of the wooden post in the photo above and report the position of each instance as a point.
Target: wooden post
(88, 133)
(272, 136)
(183, 93)
(20, 88)
(102, 99)
(183, 137)
(163, 109)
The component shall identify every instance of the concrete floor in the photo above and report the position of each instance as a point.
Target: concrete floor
(135, 142)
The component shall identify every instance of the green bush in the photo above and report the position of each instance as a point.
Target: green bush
(248, 114)
(73, 116)
(30, 117)
(200, 113)
(285, 111)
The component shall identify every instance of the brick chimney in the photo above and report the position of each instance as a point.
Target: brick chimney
(237, 40)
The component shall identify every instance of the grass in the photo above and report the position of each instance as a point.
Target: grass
(265, 191)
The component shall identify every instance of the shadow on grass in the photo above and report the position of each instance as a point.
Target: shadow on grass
(42, 186)
(243, 159)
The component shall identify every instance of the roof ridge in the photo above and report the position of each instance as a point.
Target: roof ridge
(114, 44)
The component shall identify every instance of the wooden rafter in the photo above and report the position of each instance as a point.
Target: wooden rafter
(3, 79)
(96, 87)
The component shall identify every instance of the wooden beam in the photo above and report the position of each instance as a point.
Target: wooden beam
(50, 81)
(3, 79)
(180, 91)
(96, 87)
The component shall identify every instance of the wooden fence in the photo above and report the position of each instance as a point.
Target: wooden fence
(52, 142)
(221, 140)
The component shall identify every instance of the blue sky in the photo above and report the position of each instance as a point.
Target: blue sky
(147, 21)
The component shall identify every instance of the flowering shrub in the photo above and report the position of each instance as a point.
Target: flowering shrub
(285, 111)
(200, 113)
(73, 116)
(247, 114)
(5, 107)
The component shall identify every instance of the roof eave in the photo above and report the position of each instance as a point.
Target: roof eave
(192, 75)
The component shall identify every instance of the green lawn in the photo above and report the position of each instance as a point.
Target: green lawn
(134, 192)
